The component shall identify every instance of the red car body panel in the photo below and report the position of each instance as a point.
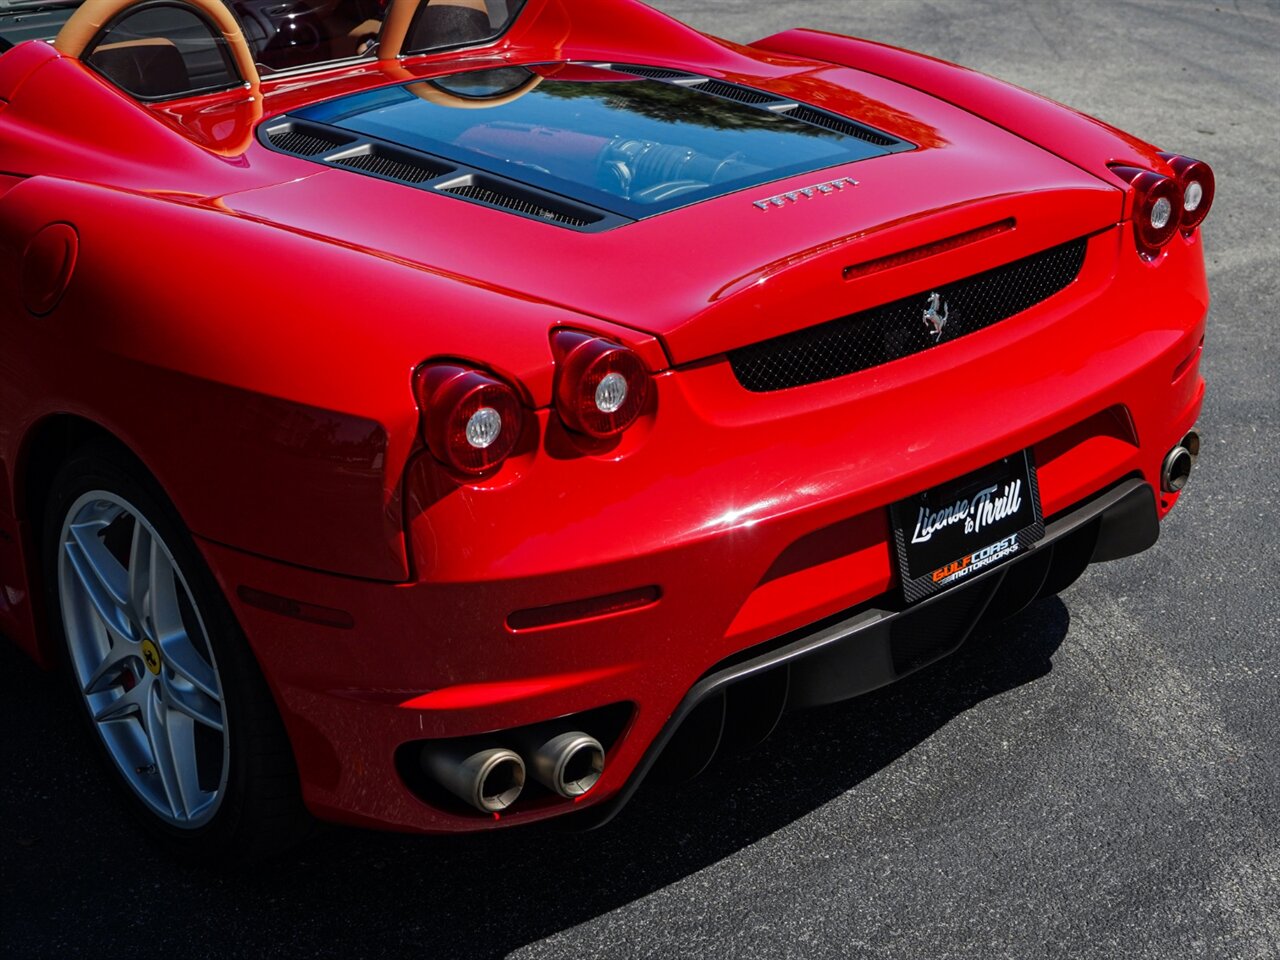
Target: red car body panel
(249, 323)
(789, 276)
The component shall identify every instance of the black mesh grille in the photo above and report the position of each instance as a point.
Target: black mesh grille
(731, 91)
(899, 329)
(509, 201)
(305, 143)
(405, 171)
(830, 121)
(657, 73)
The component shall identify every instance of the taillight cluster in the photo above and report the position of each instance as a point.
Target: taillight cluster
(472, 420)
(601, 386)
(1196, 179)
(1164, 205)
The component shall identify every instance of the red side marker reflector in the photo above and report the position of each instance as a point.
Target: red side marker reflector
(1190, 358)
(310, 612)
(928, 249)
(575, 611)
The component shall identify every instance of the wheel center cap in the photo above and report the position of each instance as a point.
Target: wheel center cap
(151, 656)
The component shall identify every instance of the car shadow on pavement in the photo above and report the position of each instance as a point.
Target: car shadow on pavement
(72, 868)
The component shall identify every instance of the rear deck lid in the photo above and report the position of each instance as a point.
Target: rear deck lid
(617, 143)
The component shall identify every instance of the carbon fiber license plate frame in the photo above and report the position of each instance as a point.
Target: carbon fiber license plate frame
(947, 534)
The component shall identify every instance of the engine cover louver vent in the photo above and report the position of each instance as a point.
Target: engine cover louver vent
(381, 164)
(375, 158)
(657, 73)
(508, 197)
(731, 91)
(769, 101)
(305, 141)
(820, 118)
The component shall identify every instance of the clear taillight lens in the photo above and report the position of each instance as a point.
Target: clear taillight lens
(1157, 212)
(601, 386)
(470, 419)
(1157, 208)
(1197, 182)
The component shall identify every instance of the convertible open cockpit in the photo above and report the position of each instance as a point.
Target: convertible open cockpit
(166, 49)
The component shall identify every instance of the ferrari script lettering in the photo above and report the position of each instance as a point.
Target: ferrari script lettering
(982, 510)
(806, 193)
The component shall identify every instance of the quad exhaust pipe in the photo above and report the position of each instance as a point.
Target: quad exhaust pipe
(489, 780)
(569, 764)
(1176, 469)
(492, 779)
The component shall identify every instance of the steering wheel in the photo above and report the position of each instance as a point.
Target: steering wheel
(87, 22)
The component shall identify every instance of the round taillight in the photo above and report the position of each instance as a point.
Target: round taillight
(601, 387)
(1157, 211)
(1196, 179)
(471, 421)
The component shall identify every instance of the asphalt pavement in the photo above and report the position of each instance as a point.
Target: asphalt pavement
(1097, 779)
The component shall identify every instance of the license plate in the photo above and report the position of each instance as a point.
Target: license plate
(959, 529)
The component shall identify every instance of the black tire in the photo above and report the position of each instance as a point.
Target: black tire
(260, 812)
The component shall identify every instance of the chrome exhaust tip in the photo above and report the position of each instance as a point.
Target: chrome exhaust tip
(1176, 469)
(1192, 444)
(489, 780)
(569, 764)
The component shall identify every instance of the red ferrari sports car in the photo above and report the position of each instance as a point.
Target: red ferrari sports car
(438, 415)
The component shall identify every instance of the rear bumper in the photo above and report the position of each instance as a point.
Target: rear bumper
(868, 648)
(749, 517)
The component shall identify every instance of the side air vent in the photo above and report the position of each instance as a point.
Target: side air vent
(731, 91)
(391, 164)
(820, 118)
(529, 203)
(305, 140)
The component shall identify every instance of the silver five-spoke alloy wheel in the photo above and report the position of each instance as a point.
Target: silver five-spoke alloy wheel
(142, 659)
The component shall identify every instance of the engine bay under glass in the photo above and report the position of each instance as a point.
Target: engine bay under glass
(626, 144)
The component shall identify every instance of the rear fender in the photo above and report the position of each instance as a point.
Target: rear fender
(263, 377)
(1079, 139)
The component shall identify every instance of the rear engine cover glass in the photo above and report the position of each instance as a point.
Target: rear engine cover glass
(628, 145)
